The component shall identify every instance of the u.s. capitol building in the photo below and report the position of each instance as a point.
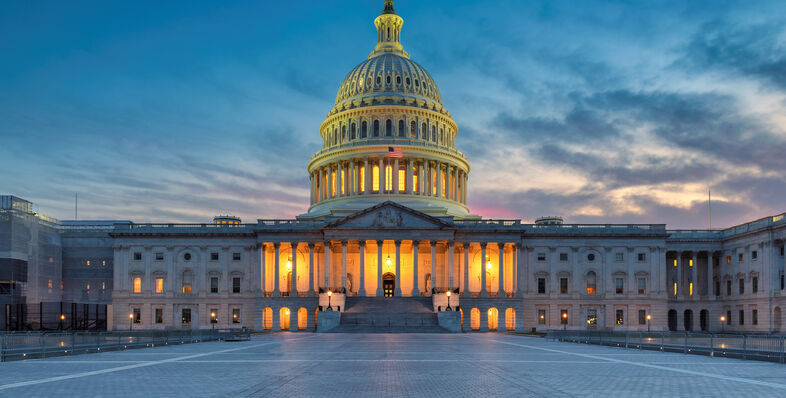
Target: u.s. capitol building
(387, 236)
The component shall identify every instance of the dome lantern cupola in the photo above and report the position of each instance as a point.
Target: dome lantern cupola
(388, 32)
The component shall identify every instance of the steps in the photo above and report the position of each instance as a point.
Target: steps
(388, 315)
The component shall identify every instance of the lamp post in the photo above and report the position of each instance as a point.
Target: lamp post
(448, 294)
(723, 323)
(130, 321)
(60, 324)
(565, 321)
(213, 320)
(330, 293)
(649, 317)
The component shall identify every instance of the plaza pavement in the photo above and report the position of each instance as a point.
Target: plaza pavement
(406, 365)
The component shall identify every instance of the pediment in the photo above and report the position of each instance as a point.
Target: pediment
(389, 215)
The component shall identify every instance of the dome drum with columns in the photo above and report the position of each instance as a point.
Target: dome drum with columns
(388, 104)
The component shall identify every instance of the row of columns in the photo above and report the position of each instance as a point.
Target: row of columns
(346, 175)
(313, 271)
(684, 281)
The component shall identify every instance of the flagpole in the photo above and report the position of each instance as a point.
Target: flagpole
(709, 206)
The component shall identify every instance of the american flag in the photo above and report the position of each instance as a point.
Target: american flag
(394, 152)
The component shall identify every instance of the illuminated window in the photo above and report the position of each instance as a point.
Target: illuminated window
(690, 289)
(388, 178)
(159, 285)
(541, 317)
(415, 180)
(474, 319)
(675, 262)
(362, 181)
(137, 315)
(444, 182)
(343, 178)
(185, 316)
(214, 315)
(740, 257)
(137, 285)
(87, 263)
(675, 288)
(642, 285)
(592, 318)
(332, 183)
(591, 282)
(563, 317)
(402, 180)
(375, 179)
(728, 259)
(433, 182)
(235, 315)
(690, 262)
(620, 317)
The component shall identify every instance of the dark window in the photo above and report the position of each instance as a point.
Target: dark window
(413, 130)
(619, 257)
(563, 257)
(379, 80)
(137, 256)
(755, 283)
(424, 132)
(742, 285)
(353, 132)
(159, 315)
(214, 256)
(343, 133)
(642, 317)
(388, 128)
(407, 80)
(728, 287)
(728, 317)
(376, 128)
(541, 256)
(591, 257)
(185, 317)
(159, 256)
(236, 256)
(563, 285)
(717, 288)
(754, 254)
(364, 130)
(541, 285)
(541, 317)
(740, 257)
(187, 256)
(398, 79)
(434, 133)
(137, 315)
(742, 317)
(236, 285)
(235, 315)
(620, 317)
(782, 282)
(755, 317)
(401, 131)
(642, 285)
(213, 285)
(619, 285)
(387, 79)
(642, 257)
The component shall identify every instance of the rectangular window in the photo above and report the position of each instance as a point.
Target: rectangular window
(159, 315)
(186, 287)
(415, 180)
(740, 257)
(690, 289)
(754, 255)
(755, 317)
(642, 257)
(541, 317)
(563, 317)
(541, 285)
(213, 285)
(742, 285)
(619, 257)
(343, 179)
(728, 259)
(620, 317)
(619, 285)
(592, 318)
(642, 317)
(675, 288)
(375, 178)
(728, 287)
(159, 285)
(236, 284)
(388, 178)
(563, 285)
(213, 315)
(642, 285)
(332, 184)
(675, 262)
(185, 316)
(742, 317)
(717, 288)
(783, 282)
(755, 283)
(235, 315)
(235, 256)
(137, 284)
(728, 317)
(402, 180)
(137, 315)
(362, 179)
(159, 256)
(214, 256)
(137, 256)
(563, 257)
(541, 256)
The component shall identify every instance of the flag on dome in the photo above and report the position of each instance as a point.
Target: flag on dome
(394, 152)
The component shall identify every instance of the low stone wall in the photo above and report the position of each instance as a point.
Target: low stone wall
(450, 320)
(328, 320)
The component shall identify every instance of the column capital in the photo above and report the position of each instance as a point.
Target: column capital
(415, 242)
(362, 243)
(397, 242)
(310, 245)
(380, 242)
(276, 245)
(483, 244)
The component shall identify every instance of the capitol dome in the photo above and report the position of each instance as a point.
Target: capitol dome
(388, 137)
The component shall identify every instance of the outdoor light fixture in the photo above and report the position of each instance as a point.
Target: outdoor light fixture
(565, 317)
(130, 321)
(649, 317)
(448, 294)
(212, 320)
(723, 323)
(289, 263)
(388, 261)
(330, 293)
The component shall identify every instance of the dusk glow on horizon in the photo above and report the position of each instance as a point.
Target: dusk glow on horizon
(599, 112)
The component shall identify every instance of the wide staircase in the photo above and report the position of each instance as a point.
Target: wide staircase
(389, 315)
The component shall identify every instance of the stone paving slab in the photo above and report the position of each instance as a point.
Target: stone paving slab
(390, 365)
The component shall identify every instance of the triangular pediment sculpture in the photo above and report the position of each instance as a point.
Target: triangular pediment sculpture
(389, 215)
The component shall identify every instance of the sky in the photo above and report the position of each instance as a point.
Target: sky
(597, 111)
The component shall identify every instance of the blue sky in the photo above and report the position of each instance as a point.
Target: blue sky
(597, 111)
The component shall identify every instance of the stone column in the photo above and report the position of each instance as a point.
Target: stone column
(709, 273)
(397, 291)
(276, 278)
(433, 266)
(326, 266)
(420, 178)
(353, 181)
(379, 268)
(465, 292)
(362, 289)
(483, 292)
(366, 177)
(680, 285)
(415, 290)
(320, 185)
(344, 266)
(451, 254)
(408, 184)
(439, 180)
(263, 267)
(293, 288)
(693, 276)
(501, 289)
(381, 176)
(312, 270)
(454, 193)
(522, 260)
(394, 169)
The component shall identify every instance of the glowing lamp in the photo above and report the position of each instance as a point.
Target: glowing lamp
(62, 317)
(649, 317)
(564, 314)
(130, 315)
(289, 263)
(448, 293)
(388, 261)
(330, 293)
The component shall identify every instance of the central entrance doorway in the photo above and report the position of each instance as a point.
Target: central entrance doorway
(388, 284)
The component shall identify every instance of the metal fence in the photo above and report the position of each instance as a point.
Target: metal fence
(762, 347)
(18, 346)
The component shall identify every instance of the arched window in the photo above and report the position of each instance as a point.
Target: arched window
(364, 130)
(424, 132)
(401, 131)
(388, 128)
(407, 80)
(591, 282)
(398, 79)
(302, 318)
(267, 318)
(413, 130)
(343, 134)
(283, 320)
(510, 319)
(441, 136)
(434, 133)
(493, 320)
(376, 128)
(352, 132)
(387, 79)
(474, 319)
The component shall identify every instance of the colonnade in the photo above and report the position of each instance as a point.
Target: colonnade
(684, 274)
(459, 266)
(368, 176)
